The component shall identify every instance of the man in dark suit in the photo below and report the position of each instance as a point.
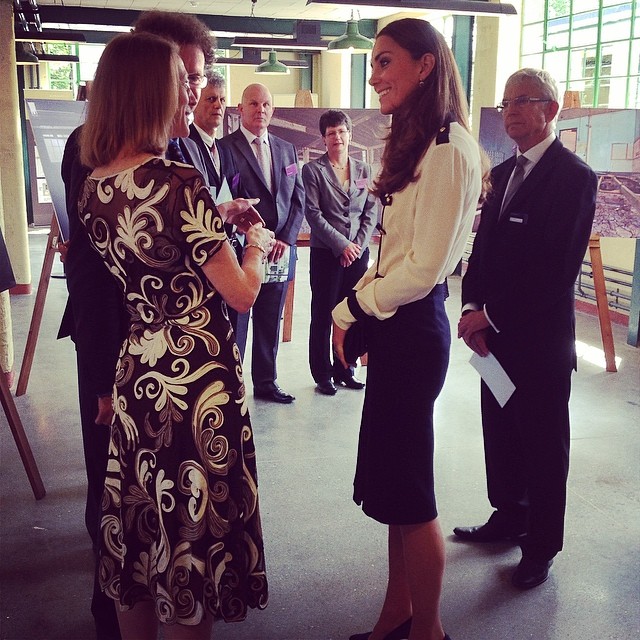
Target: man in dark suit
(207, 118)
(267, 167)
(518, 304)
(95, 316)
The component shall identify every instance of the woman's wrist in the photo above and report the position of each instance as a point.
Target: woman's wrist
(254, 245)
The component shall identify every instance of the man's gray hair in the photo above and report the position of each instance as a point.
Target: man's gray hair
(215, 78)
(543, 79)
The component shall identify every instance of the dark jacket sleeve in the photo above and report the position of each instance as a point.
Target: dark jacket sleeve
(289, 232)
(95, 316)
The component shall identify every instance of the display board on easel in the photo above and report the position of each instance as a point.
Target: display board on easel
(52, 121)
(608, 140)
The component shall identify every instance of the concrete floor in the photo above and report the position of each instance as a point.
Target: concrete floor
(326, 560)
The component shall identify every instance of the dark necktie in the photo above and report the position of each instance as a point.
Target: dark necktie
(516, 181)
(174, 152)
(263, 160)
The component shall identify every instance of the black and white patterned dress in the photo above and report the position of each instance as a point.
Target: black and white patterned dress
(180, 518)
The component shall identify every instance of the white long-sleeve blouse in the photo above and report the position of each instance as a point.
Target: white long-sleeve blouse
(425, 229)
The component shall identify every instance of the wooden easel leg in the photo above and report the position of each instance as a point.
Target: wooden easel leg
(602, 304)
(287, 323)
(20, 437)
(36, 318)
(633, 336)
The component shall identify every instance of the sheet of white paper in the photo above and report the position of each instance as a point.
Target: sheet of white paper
(224, 194)
(494, 376)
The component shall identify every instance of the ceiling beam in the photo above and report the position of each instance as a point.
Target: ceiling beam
(231, 24)
(453, 6)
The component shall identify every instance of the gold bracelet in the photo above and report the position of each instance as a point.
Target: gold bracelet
(257, 246)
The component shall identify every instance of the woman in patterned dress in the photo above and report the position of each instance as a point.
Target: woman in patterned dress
(181, 540)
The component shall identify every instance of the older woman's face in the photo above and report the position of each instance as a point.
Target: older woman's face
(394, 73)
(337, 138)
(180, 127)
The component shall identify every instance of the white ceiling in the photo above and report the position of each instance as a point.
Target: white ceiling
(285, 9)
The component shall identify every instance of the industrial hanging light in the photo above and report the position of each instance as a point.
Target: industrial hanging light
(352, 41)
(272, 66)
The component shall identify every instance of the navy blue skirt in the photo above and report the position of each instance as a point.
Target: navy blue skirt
(408, 359)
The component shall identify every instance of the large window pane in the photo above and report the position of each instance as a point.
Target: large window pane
(582, 5)
(616, 23)
(532, 12)
(585, 29)
(532, 38)
(583, 63)
(533, 60)
(616, 55)
(616, 93)
(634, 66)
(556, 7)
(606, 77)
(557, 34)
(556, 64)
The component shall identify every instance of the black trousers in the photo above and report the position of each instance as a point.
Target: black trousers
(330, 283)
(95, 440)
(527, 458)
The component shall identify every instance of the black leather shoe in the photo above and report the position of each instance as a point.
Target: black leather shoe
(326, 388)
(349, 381)
(274, 393)
(492, 531)
(401, 632)
(530, 573)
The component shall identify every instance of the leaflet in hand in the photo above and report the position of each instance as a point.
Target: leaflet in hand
(278, 271)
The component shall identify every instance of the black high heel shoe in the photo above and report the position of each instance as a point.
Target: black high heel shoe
(401, 632)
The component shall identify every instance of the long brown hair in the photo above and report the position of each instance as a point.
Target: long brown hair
(417, 121)
(133, 99)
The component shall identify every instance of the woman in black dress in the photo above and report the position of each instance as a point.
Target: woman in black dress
(180, 535)
(429, 185)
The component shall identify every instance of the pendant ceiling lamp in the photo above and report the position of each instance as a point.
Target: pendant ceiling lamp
(352, 41)
(272, 66)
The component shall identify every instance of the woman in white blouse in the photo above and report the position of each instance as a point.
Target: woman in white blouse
(430, 184)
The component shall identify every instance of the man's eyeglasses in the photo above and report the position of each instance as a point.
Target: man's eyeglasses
(520, 101)
(196, 80)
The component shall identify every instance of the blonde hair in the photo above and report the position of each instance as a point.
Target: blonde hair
(133, 99)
